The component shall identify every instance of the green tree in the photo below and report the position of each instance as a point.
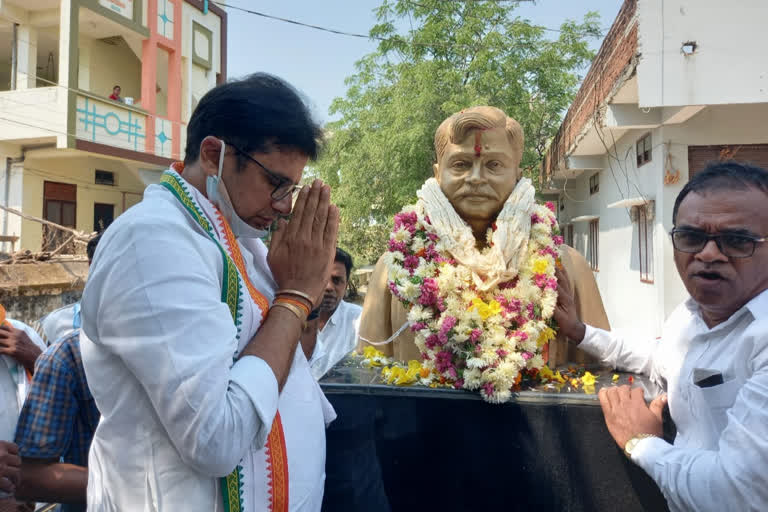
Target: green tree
(458, 54)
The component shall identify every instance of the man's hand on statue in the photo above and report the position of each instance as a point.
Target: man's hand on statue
(15, 344)
(627, 415)
(565, 313)
(302, 250)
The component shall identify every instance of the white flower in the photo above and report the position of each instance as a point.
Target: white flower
(398, 273)
(409, 291)
(401, 235)
(425, 270)
(397, 257)
(536, 361)
(417, 244)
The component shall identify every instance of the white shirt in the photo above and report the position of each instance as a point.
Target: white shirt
(719, 460)
(337, 339)
(158, 345)
(14, 385)
(59, 323)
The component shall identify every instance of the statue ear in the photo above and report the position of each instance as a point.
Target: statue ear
(435, 169)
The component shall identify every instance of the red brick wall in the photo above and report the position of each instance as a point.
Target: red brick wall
(612, 60)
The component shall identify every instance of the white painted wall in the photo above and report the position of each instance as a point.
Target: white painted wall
(33, 113)
(631, 304)
(729, 65)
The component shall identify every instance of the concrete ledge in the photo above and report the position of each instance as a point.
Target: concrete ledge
(42, 278)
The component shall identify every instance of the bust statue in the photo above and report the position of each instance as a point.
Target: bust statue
(477, 182)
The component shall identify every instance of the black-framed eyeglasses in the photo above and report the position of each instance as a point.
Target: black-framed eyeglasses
(283, 186)
(732, 245)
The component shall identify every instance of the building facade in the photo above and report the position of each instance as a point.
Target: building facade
(68, 153)
(674, 86)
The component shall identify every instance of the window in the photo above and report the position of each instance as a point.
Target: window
(569, 235)
(644, 150)
(644, 244)
(105, 178)
(103, 215)
(594, 184)
(594, 244)
(59, 206)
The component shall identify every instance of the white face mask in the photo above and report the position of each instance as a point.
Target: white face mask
(217, 194)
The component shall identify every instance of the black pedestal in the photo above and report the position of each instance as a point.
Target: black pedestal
(423, 449)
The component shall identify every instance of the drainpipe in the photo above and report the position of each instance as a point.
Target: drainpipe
(14, 55)
(7, 192)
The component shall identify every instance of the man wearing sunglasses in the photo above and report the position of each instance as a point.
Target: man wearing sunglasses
(712, 357)
(190, 324)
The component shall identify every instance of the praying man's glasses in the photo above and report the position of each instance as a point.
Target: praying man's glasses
(283, 186)
(732, 245)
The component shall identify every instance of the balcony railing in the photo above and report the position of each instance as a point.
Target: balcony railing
(111, 123)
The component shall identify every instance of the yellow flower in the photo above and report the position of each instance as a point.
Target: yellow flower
(615, 377)
(540, 266)
(546, 373)
(485, 311)
(559, 378)
(589, 389)
(588, 379)
(546, 335)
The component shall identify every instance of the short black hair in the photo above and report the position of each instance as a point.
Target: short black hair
(255, 113)
(90, 249)
(344, 257)
(727, 175)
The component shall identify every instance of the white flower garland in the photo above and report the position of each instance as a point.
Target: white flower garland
(482, 319)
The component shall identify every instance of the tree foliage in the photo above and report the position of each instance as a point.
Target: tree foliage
(456, 54)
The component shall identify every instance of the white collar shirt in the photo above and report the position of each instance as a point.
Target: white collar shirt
(719, 459)
(337, 339)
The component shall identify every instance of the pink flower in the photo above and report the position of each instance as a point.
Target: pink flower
(432, 236)
(558, 240)
(526, 355)
(443, 361)
(405, 219)
(535, 219)
(448, 323)
(418, 326)
(502, 353)
(431, 341)
(474, 335)
(441, 304)
(489, 389)
(540, 280)
(530, 309)
(452, 372)
(552, 283)
(548, 251)
(395, 246)
(459, 384)
(431, 254)
(550, 205)
(393, 289)
(410, 263)
(429, 291)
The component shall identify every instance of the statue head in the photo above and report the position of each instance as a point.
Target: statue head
(478, 162)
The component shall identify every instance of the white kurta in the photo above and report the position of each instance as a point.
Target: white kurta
(158, 345)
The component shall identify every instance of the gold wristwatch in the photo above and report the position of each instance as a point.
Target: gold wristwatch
(632, 443)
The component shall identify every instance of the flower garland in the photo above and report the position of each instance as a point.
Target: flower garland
(476, 338)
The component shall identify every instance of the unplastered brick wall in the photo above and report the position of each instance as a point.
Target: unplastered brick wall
(611, 63)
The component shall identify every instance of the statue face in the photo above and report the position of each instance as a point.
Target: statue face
(478, 174)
